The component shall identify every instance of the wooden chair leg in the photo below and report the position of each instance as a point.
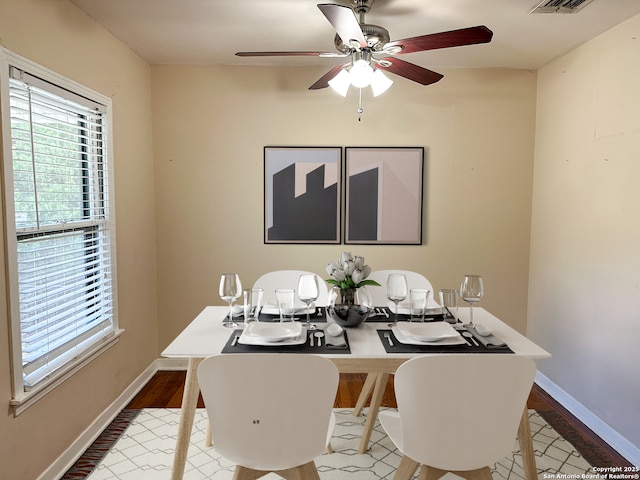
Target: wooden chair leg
(369, 383)
(244, 473)
(526, 447)
(308, 471)
(208, 441)
(406, 469)
(431, 473)
(483, 473)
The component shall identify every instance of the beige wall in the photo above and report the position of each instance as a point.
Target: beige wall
(584, 296)
(211, 124)
(55, 34)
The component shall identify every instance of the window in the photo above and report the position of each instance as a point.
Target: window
(60, 230)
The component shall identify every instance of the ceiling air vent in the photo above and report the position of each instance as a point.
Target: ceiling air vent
(560, 6)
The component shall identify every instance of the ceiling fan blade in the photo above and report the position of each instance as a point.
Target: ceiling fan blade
(291, 54)
(345, 23)
(323, 82)
(409, 70)
(453, 38)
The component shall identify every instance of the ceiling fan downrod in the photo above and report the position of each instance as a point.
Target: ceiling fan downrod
(360, 7)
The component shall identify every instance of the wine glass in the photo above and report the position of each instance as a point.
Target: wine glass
(230, 290)
(396, 290)
(308, 293)
(472, 291)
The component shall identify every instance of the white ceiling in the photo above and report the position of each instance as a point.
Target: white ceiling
(209, 32)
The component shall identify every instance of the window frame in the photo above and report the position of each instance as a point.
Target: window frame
(23, 398)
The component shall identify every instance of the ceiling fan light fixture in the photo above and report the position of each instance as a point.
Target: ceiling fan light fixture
(341, 82)
(380, 83)
(361, 74)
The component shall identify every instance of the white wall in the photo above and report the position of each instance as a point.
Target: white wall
(584, 293)
(211, 124)
(55, 34)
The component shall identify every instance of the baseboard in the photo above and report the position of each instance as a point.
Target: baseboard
(57, 469)
(620, 444)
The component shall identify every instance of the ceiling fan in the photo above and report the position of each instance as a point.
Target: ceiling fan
(372, 51)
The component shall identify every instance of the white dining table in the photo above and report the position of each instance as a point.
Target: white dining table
(205, 336)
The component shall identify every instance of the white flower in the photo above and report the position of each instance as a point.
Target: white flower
(349, 272)
(349, 267)
(357, 276)
(345, 257)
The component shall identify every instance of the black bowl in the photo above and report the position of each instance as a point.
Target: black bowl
(349, 315)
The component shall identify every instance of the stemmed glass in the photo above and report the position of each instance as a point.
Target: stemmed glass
(472, 291)
(396, 290)
(230, 290)
(308, 293)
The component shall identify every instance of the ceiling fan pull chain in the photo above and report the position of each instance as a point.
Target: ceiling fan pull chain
(360, 110)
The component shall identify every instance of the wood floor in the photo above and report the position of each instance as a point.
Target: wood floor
(165, 389)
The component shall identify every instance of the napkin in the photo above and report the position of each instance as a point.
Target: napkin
(337, 342)
(489, 341)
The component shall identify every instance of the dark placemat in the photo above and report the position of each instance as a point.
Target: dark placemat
(404, 348)
(317, 316)
(380, 316)
(280, 348)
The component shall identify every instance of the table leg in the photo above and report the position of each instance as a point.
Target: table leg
(364, 393)
(374, 406)
(526, 447)
(187, 415)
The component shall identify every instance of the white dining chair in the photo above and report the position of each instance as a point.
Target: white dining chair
(270, 281)
(457, 413)
(414, 280)
(379, 297)
(268, 413)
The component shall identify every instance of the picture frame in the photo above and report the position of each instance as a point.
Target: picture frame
(302, 194)
(384, 195)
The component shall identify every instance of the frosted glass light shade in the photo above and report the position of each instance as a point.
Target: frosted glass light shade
(361, 74)
(340, 83)
(380, 83)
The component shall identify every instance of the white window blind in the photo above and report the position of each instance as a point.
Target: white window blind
(63, 227)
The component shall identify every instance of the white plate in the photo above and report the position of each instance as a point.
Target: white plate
(274, 310)
(405, 309)
(427, 332)
(300, 339)
(273, 332)
(412, 341)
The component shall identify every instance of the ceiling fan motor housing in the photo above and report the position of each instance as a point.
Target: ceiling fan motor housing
(377, 37)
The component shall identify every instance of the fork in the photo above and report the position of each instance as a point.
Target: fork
(387, 335)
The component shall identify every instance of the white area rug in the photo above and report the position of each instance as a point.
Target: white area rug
(145, 452)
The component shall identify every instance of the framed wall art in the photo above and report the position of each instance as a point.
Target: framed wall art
(383, 195)
(302, 194)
